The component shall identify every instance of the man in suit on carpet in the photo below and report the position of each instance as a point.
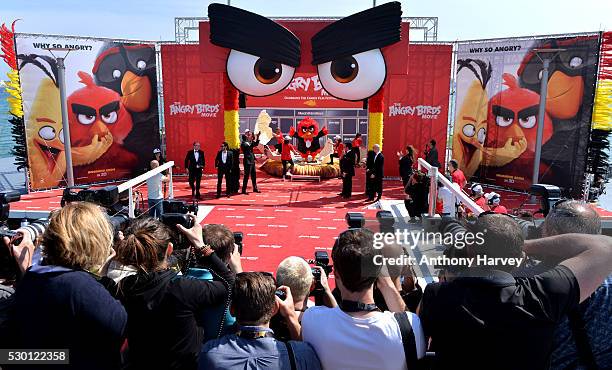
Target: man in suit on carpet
(224, 163)
(374, 173)
(194, 163)
(248, 143)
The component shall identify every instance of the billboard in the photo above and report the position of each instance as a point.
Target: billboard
(496, 116)
(417, 104)
(111, 91)
(193, 105)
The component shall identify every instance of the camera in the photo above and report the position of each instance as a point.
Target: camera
(238, 235)
(322, 260)
(173, 219)
(179, 206)
(280, 294)
(106, 197)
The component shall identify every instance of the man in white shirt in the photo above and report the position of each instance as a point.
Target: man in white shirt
(449, 200)
(155, 192)
(356, 334)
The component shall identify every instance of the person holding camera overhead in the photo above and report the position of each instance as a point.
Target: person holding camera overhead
(164, 308)
(194, 163)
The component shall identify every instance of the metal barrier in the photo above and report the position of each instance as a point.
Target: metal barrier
(130, 184)
(432, 172)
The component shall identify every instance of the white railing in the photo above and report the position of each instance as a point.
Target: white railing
(130, 184)
(432, 172)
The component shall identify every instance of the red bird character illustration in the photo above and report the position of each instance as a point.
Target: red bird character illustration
(96, 110)
(512, 119)
(308, 136)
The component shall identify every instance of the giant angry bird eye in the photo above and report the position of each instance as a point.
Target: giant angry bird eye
(469, 130)
(47, 133)
(575, 62)
(527, 122)
(86, 119)
(503, 121)
(109, 118)
(116, 74)
(257, 76)
(141, 65)
(356, 77)
(482, 135)
(61, 136)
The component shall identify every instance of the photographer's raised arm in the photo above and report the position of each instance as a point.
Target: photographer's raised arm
(588, 257)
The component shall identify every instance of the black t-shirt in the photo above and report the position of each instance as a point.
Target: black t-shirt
(498, 321)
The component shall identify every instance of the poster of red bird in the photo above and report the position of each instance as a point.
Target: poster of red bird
(111, 91)
(498, 96)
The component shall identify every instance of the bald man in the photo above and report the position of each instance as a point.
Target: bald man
(155, 193)
(374, 173)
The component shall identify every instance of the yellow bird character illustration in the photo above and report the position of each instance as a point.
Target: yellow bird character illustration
(45, 140)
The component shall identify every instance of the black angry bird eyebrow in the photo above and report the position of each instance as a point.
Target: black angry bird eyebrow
(502, 112)
(370, 29)
(109, 108)
(83, 109)
(528, 112)
(252, 33)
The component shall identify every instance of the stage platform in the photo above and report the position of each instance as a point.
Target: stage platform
(286, 218)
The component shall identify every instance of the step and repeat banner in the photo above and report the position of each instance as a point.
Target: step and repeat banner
(496, 115)
(193, 105)
(417, 105)
(111, 91)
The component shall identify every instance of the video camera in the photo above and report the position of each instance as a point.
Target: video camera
(107, 197)
(175, 213)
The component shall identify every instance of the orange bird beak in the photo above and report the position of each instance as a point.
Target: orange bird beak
(136, 92)
(564, 95)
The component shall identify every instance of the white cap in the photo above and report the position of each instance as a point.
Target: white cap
(247, 130)
(337, 137)
(477, 188)
(493, 197)
(156, 150)
(287, 137)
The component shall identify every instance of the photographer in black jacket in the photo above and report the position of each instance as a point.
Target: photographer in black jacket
(162, 307)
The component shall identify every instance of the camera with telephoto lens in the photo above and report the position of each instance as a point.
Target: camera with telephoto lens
(179, 206)
(173, 219)
(108, 197)
(321, 260)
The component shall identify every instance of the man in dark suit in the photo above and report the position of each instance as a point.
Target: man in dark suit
(431, 154)
(248, 143)
(374, 173)
(347, 170)
(194, 163)
(224, 163)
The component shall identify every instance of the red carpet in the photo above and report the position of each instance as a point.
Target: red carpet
(286, 218)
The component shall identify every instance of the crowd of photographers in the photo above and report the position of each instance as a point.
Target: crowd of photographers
(136, 301)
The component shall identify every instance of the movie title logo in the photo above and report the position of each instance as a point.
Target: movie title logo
(203, 110)
(307, 84)
(422, 111)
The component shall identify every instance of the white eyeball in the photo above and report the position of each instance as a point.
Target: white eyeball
(86, 119)
(257, 76)
(575, 62)
(469, 130)
(482, 135)
(116, 73)
(61, 136)
(47, 133)
(356, 77)
(503, 121)
(109, 118)
(527, 122)
(141, 65)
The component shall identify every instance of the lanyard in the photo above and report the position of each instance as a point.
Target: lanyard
(352, 306)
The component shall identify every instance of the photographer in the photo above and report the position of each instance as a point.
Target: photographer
(356, 334)
(59, 304)
(221, 240)
(484, 311)
(163, 308)
(254, 345)
(295, 273)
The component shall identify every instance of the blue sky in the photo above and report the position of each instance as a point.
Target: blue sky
(154, 19)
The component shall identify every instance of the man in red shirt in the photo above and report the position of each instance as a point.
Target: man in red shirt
(338, 150)
(356, 148)
(494, 203)
(279, 140)
(286, 155)
(456, 174)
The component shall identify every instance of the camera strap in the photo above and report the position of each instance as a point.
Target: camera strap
(254, 333)
(352, 306)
